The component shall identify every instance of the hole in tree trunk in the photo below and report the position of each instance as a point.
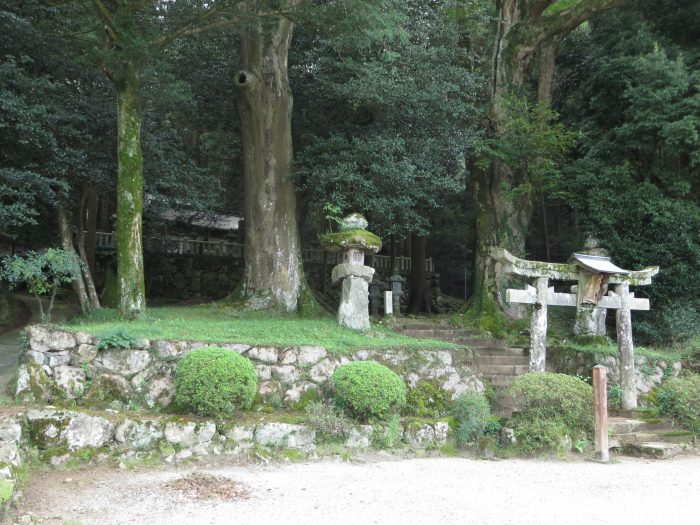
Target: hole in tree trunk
(241, 78)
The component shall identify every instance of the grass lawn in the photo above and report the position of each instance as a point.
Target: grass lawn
(225, 324)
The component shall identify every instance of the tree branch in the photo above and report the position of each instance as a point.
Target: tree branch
(535, 31)
(200, 24)
(106, 18)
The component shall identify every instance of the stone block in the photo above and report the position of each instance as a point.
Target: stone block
(189, 433)
(139, 435)
(123, 362)
(108, 391)
(322, 371)
(88, 431)
(69, 382)
(310, 355)
(286, 373)
(264, 372)
(43, 339)
(264, 354)
(33, 384)
(57, 358)
(360, 437)
(285, 435)
(85, 354)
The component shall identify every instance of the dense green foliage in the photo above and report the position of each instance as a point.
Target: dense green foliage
(388, 120)
(471, 410)
(553, 407)
(384, 118)
(427, 399)
(215, 382)
(41, 273)
(368, 390)
(631, 91)
(680, 399)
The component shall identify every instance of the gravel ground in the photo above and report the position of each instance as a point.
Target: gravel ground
(435, 491)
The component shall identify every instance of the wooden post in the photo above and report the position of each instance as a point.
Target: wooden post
(600, 409)
(538, 335)
(626, 348)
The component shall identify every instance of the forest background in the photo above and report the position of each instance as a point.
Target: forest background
(402, 111)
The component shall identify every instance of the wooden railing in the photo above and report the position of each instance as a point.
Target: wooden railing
(106, 241)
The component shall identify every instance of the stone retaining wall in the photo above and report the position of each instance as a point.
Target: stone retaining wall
(60, 365)
(58, 437)
(648, 372)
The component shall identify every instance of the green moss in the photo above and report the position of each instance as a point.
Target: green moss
(46, 433)
(341, 241)
(427, 399)
(7, 488)
(52, 452)
(105, 392)
(39, 385)
(307, 304)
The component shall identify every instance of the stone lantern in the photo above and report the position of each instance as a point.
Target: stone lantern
(396, 280)
(353, 241)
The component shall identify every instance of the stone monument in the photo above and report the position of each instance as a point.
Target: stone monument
(354, 242)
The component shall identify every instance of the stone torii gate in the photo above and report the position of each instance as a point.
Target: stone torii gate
(593, 274)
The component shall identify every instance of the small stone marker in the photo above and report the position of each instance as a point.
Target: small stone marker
(388, 304)
(600, 410)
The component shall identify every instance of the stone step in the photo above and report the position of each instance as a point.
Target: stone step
(515, 352)
(512, 370)
(479, 343)
(656, 450)
(620, 425)
(660, 436)
(501, 360)
(500, 381)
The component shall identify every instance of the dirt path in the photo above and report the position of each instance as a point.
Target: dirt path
(431, 491)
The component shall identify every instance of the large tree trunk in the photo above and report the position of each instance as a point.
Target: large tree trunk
(419, 295)
(273, 268)
(67, 244)
(503, 220)
(132, 290)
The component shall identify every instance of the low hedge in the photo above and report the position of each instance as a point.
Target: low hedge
(215, 382)
(552, 407)
(367, 390)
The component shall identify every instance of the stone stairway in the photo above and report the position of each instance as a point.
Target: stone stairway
(652, 438)
(492, 358)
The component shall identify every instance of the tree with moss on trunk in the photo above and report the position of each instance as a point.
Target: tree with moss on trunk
(134, 32)
(503, 186)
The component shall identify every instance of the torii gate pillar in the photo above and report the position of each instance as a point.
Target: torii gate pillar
(592, 274)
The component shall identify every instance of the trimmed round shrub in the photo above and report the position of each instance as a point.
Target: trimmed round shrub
(367, 389)
(680, 399)
(552, 407)
(471, 410)
(215, 382)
